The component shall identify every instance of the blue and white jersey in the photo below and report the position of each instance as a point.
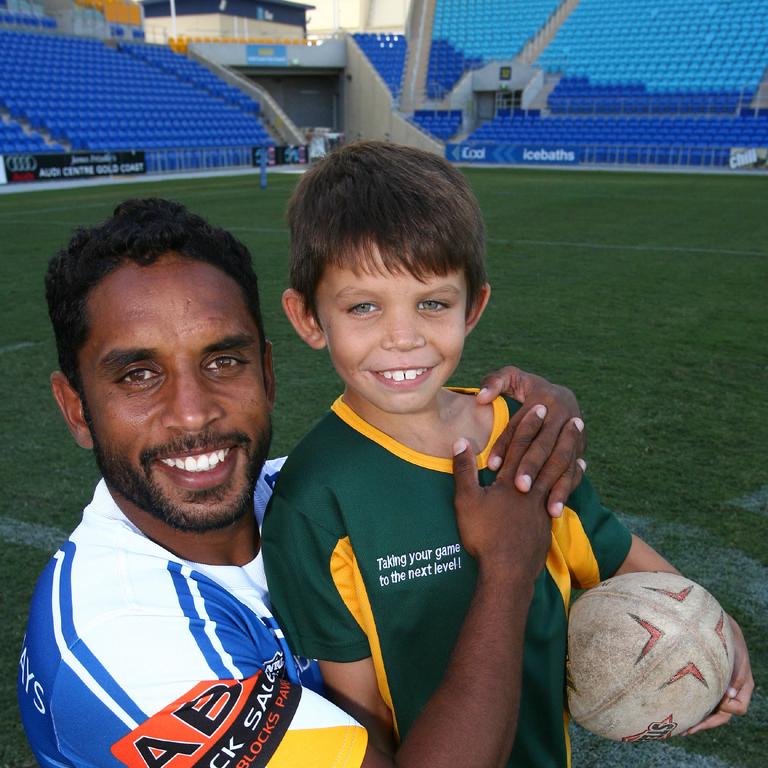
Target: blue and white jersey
(133, 656)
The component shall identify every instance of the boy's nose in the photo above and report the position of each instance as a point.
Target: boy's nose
(403, 338)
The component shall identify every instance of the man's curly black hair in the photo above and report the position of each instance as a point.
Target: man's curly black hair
(141, 231)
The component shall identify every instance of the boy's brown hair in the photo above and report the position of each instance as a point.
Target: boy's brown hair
(372, 200)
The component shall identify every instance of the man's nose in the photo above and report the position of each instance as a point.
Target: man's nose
(191, 402)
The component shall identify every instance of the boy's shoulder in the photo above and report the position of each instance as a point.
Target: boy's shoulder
(330, 448)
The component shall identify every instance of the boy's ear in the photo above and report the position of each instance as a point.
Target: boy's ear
(303, 319)
(71, 407)
(477, 308)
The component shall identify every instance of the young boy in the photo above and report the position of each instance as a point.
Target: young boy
(361, 549)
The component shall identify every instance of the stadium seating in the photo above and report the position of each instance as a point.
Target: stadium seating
(25, 13)
(633, 139)
(13, 139)
(577, 95)
(659, 56)
(26, 20)
(387, 54)
(96, 97)
(468, 33)
(442, 124)
(190, 71)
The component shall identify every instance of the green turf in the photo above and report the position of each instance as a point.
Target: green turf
(646, 294)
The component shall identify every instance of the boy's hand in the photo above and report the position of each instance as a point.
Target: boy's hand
(739, 693)
(506, 531)
(551, 423)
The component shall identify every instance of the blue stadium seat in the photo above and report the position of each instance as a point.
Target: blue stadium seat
(134, 97)
(387, 54)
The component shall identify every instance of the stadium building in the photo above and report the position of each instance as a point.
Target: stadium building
(170, 85)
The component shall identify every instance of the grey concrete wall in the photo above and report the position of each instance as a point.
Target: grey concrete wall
(332, 54)
(368, 107)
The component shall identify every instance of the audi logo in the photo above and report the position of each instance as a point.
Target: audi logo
(20, 163)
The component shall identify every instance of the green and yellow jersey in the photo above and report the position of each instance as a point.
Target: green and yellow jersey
(363, 558)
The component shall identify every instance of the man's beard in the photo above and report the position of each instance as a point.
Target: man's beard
(206, 513)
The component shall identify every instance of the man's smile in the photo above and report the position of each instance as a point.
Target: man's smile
(202, 462)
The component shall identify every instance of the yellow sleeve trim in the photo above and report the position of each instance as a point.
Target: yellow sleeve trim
(341, 746)
(576, 548)
(435, 463)
(346, 575)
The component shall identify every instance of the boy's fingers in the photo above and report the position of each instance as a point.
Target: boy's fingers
(713, 721)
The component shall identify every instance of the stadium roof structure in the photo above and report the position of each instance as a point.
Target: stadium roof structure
(281, 11)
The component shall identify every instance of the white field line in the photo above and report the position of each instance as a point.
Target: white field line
(44, 537)
(619, 247)
(590, 750)
(17, 345)
(753, 502)
(735, 579)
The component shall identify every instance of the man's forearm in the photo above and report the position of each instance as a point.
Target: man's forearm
(484, 674)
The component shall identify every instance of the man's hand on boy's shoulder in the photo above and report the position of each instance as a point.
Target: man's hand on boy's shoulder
(498, 524)
(548, 432)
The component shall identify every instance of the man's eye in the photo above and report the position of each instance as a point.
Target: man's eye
(220, 363)
(138, 376)
(363, 309)
(431, 305)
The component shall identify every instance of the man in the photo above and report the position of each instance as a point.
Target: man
(150, 640)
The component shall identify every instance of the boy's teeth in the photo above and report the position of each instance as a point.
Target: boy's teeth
(407, 375)
(200, 463)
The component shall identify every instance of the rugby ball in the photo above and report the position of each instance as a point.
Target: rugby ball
(649, 656)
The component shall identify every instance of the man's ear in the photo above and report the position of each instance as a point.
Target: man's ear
(71, 407)
(477, 308)
(303, 319)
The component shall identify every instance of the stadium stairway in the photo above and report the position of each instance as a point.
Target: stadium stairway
(467, 34)
(17, 136)
(534, 47)
(387, 53)
(419, 32)
(271, 113)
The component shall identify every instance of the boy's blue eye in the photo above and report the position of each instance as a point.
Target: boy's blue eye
(431, 305)
(362, 309)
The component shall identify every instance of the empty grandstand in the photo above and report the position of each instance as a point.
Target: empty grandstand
(672, 83)
(87, 95)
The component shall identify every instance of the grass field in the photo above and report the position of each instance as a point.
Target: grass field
(646, 294)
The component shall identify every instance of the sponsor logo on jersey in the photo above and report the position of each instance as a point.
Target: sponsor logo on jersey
(217, 724)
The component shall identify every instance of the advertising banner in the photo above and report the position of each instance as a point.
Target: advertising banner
(77, 165)
(512, 154)
(293, 154)
(3, 180)
(742, 157)
(266, 55)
